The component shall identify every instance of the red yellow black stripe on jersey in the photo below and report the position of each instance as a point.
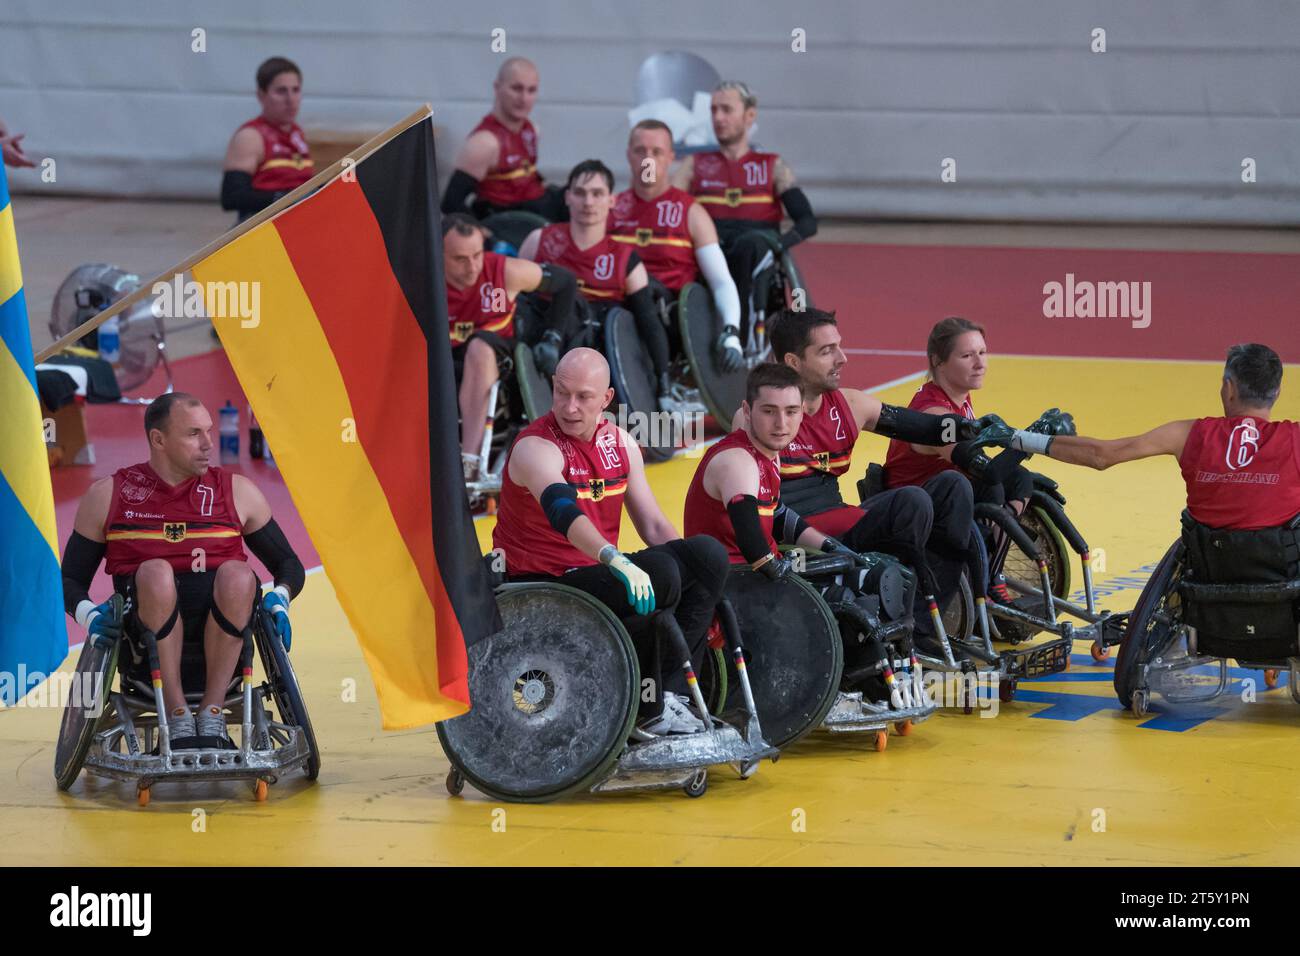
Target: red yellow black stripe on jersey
(598, 488)
(518, 173)
(795, 466)
(173, 531)
(644, 237)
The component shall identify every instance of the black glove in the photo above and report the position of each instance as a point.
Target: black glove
(1054, 422)
(777, 568)
(546, 353)
(727, 352)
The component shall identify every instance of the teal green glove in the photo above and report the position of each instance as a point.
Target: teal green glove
(640, 593)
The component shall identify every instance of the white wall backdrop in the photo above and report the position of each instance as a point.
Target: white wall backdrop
(1041, 127)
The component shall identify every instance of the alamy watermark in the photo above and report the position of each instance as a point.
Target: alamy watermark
(1073, 299)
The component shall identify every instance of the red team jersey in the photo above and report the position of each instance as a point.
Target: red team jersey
(904, 465)
(707, 515)
(514, 179)
(483, 306)
(742, 188)
(824, 446)
(598, 470)
(148, 518)
(286, 160)
(601, 270)
(659, 230)
(1242, 473)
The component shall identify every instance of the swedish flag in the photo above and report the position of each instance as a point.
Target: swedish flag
(33, 633)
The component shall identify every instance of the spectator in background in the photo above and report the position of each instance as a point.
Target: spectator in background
(268, 156)
(11, 148)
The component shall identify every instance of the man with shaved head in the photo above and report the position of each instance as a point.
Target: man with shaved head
(566, 480)
(498, 163)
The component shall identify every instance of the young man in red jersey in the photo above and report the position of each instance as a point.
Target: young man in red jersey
(567, 478)
(608, 272)
(674, 235)
(745, 191)
(1242, 470)
(498, 163)
(482, 288)
(268, 156)
(171, 531)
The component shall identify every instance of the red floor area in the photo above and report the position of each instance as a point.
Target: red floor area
(887, 298)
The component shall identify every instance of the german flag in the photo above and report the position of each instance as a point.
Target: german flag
(349, 372)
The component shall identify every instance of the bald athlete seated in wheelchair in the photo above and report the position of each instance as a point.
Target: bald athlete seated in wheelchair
(1229, 588)
(831, 634)
(592, 685)
(180, 630)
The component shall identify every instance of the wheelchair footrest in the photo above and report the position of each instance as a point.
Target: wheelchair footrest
(851, 713)
(1038, 661)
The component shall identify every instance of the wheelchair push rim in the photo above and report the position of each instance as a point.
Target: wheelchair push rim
(721, 392)
(1153, 625)
(632, 377)
(96, 669)
(534, 388)
(284, 687)
(560, 683)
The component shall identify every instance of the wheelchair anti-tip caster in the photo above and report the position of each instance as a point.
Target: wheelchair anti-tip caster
(904, 728)
(455, 782)
(1141, 702)
(698, 784)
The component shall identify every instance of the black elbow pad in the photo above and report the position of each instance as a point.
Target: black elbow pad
(788, 524)
(273, 550)
(80, 562)
(800, 212)
(461, 186)
(750, 539)
(918, 428)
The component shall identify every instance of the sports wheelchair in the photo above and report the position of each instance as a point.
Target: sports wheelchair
(117, 733)
(1216, 595)
(830, 647)
(554, 698)
(507, 230)
(1037, 569)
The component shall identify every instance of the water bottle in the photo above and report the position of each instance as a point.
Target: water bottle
(255, 443)
(110, 340)
(229, 434)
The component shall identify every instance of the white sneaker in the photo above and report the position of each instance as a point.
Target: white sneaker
(673, 721)
(212, 723)
(180, 725)
(681, 707)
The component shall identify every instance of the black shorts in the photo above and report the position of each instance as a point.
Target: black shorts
(194, 602)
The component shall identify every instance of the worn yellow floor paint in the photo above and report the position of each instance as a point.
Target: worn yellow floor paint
(1014, 789)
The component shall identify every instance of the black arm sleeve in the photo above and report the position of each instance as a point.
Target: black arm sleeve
(800, 211)
(272, 549)
(80, 562)
(919, 428)
(238, 194)
(787, 525)
(459, 189)
(632, 262)
(743, 512)
(653, 334)
(561, 285)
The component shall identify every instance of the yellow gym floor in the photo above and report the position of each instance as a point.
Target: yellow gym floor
(1059, 776)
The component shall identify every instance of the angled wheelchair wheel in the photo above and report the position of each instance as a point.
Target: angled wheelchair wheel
(697, 321)
(553, 697)
(512, 228)
(93, 682)
(1018, 566)
(631, 374)
(794, 652)
(794, 282)
(534, 388)
(959, 615)
(1154, 626)
(284, 686)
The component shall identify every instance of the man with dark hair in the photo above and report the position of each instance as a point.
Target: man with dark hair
(743, 190)
(929, 528)
(268, 156)
(608, 272)
(498, 163)
(735, 494)
(1242, 471)
(171, 532)
(567, 479)
(675, 237)
(481, 291)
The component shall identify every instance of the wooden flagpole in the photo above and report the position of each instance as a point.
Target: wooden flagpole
(270, 212)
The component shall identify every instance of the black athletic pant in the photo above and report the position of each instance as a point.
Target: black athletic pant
(688, 576)
(743, 251)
